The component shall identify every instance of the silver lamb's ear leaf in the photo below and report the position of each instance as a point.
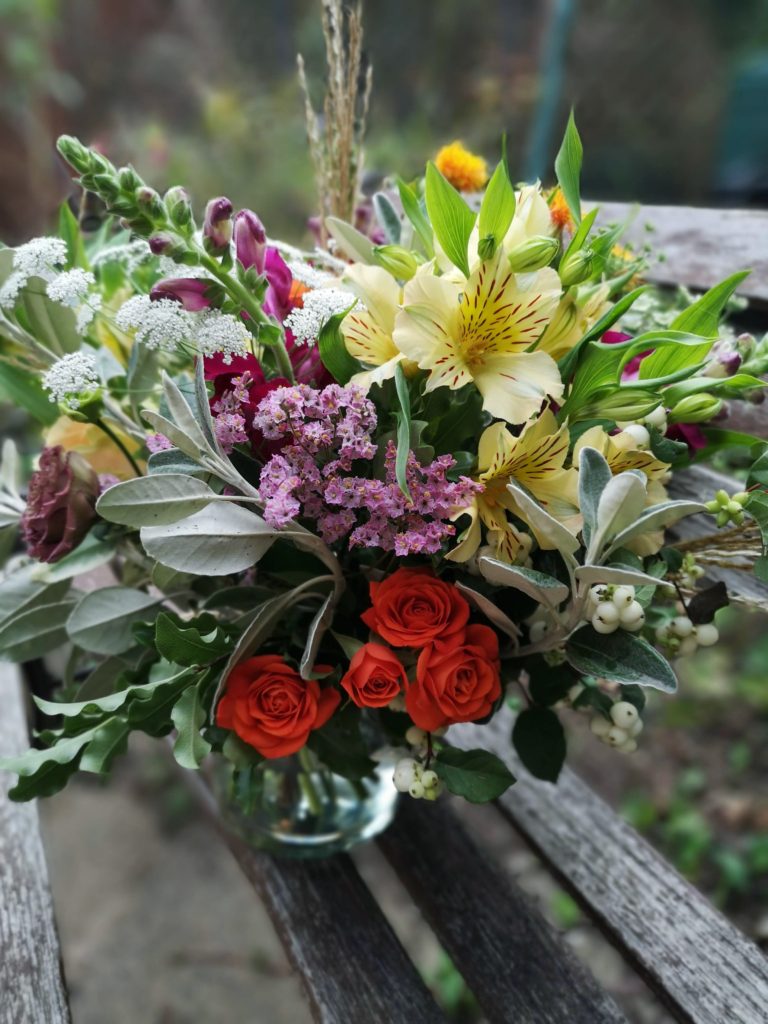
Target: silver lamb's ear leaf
(545, 589)
(101, 621)
(178, 438)
(616, 576)
(655, 518)
(317, 628)
(182, 414)
(154, 500)
(550, 533)
(620, 504)
(204, 408)
(490, 611)
(594, 476)
(216, 542)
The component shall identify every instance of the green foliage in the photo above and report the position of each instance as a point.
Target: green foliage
(201, 642)
(333, 350)
(103, 619)
(568, 168)
(403, 431)
(496, 211)
(476, 775)
(154, 500)
(620, 656)
(340, 745)
(451, 218)
(416, 215)
(539, 740)
(189, 716)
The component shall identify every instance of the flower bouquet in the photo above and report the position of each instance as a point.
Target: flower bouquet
(338, 500)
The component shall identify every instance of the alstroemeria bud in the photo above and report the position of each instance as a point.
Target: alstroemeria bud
(533, 254)
(250, 241)
(217, 227)
(395, 259)
(625, 405)
(576, 267)
(178, 206)
(723, 361)
(60, 504)
(194, 293)
(695, 409)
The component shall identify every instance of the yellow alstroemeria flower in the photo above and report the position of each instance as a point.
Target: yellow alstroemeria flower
(368, 332)
(535, 459)
(479, 332)
(572, 320)
(94, 445)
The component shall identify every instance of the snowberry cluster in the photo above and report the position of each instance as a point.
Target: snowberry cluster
(681, 636)
(621, 729)
(728, 508)
(413, 778)
(610, 607)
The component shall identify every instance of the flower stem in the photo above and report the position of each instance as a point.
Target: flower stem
(116, 440)
(307, 784)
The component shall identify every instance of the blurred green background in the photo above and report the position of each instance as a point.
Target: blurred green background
(670, 99)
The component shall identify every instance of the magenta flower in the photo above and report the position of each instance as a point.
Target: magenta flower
(60, 504)
(217, 226)
(194, 293)
(250, 240)
(689, 433)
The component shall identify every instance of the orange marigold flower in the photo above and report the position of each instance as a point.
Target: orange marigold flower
(466, 171)
(559, 212)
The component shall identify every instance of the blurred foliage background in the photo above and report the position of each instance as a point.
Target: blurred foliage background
(671, 102)
(670, 105)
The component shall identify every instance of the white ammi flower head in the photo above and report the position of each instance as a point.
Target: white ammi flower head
(220, 332)
(165, 324)
(39, 257)
(71, 377)
(320, 305)
(73, 288)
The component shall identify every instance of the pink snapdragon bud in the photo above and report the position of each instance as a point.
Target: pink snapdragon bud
(250, 240)
(194, 293)
(217, 226)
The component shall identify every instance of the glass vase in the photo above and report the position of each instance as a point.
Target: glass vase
(295, 807)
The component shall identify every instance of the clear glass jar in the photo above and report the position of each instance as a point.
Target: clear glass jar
(295, 807)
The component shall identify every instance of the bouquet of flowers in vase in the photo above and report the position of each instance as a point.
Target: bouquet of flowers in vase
(352, 496)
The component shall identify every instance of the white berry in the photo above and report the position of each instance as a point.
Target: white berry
(657, 418)
(415, 736)
(688, 646)
(639, 435)
(624, 714)
(616, 736)
(416, 789)
(681, 626)
(599, 592)
(602, 623)
(429, 779)
(632, 614)
(628, 746)
(404, 774)
(707, 634)
(623, 597)
(637, 728)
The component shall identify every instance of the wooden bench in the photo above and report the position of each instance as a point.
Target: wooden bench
(354, 969)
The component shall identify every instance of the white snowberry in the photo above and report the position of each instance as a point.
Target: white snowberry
(623, 596)
(616, 736)
(637, 728)
(416, 790)
(639, 435)
(688, 645)
(429, 779)
(600, 726)
(633, 616)
(628, 746)
(404, 774)
(681, 626)
(707, 634)
(624, 714)
(415, 736)
(657, 418)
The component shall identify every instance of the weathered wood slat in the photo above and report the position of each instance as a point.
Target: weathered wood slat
(350, 962)
(517, 967)
(700, 246)
(702, 967)
(31, 982)
(700, 483)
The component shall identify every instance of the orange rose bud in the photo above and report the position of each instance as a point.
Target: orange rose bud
(456, 684)
(412, 608)
(375, 676)
(269, 706)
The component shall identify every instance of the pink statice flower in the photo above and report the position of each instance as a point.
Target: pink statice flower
(317, 475)
(157, 443)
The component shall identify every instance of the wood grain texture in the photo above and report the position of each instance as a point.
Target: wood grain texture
(700, 246)
(516, 965)
(700, 965)
(700, 483)
(31, 982)
(351, 964)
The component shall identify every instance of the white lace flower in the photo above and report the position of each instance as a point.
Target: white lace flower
(220, 332)
(163, 324)
(70, 377)
(312, 277)
(130, 255)
(39, 257)
(320, 305)
(71, 287)
(11, 288)
(87, 312)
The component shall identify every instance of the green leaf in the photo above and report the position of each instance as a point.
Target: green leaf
(172, 460)
(102, 620)
(34, 632)
(758, 473)
(52, 324)
(350, 645)
(703, 317)
(621, 657)
(213, 542)
(26, 588)
(333, 350)
(545, 527)
(350, 240)
(154, 500)
(69, 231)
(539, 740)
(594, 476)
(417, 217)
(550, 683)
(497, 208)
(186, 645)
(341, 747)
(615, 575)
(538, 585)
(188, 715)
(567, 364)
(110, 740)
(452, 220)
(654, 518)
(19, 388)
(89, 555)
(568, 168)
(388, 217)
(403, 432)
(476, 775)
